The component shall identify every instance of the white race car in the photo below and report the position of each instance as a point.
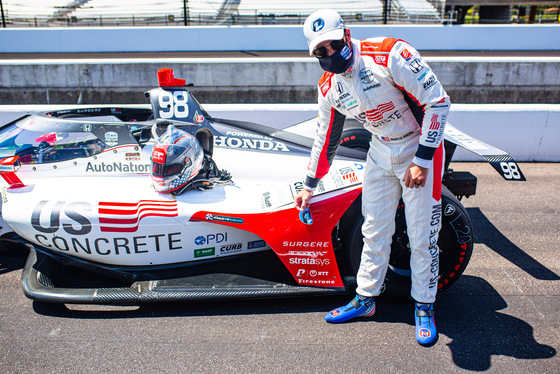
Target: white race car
(76, 193)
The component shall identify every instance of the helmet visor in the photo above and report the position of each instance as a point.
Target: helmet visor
(162, 170)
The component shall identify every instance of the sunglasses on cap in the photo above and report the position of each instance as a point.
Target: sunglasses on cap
(322, 52)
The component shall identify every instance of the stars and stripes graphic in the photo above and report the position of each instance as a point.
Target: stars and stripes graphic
(349, 175)
(376, 114)
(125, 217)
(352, 178)
(435, 124)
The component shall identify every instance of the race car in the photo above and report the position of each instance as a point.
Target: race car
(77, 193)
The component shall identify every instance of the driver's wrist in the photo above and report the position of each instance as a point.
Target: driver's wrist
(310, 184)
(421, 162)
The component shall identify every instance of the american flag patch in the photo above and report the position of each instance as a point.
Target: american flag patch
(126, 217)
(434, 125)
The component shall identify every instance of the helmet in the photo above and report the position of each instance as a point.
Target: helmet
(176, 159)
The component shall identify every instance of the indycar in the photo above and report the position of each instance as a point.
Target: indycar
(76, 193)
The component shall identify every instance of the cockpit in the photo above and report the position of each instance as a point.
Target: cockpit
(41, 138)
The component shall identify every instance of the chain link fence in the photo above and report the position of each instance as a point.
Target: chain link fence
(95, 13)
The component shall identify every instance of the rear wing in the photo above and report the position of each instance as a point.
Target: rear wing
(500, 160)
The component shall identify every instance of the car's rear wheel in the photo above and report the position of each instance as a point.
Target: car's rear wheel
(455, 238)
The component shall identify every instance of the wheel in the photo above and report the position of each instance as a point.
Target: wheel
(455, 244)
(455, 237)
(356, 138)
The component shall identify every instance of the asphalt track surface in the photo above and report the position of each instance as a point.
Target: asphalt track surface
(501, 316)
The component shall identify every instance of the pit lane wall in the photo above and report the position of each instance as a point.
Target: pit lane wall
(503, 79)
(468, 80)
(528, 132)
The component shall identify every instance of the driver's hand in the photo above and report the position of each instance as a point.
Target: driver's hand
(415, 176)
(301, 201)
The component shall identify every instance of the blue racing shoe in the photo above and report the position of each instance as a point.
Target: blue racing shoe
(355, 308)
(426, 332)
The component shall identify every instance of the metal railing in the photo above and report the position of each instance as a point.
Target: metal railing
(98, 13)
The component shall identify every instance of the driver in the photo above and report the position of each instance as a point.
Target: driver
(179, 164)
(371, 81)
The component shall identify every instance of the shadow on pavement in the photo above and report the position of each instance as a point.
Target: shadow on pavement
(468, 314)
(12, 258)
(486, 233)
(470, 317)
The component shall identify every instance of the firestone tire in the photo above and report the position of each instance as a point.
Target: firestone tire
(356, 138)
(455, 238)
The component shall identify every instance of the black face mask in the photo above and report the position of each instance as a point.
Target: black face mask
(338, 62)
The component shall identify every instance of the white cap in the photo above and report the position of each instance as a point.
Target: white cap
(321, 25)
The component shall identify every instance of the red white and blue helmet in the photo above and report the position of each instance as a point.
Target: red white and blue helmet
(176, 159)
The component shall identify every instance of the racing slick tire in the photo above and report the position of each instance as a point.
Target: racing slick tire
(356, 138)
(455, 237)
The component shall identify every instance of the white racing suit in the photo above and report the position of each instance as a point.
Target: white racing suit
(373, 91)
